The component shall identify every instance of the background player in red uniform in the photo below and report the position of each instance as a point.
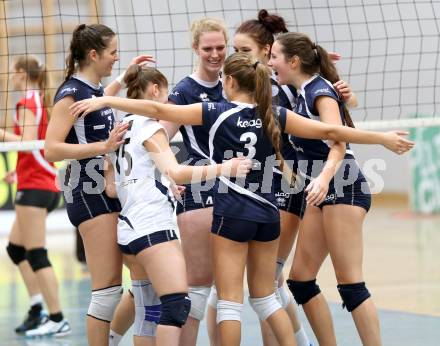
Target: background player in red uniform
(37, 195)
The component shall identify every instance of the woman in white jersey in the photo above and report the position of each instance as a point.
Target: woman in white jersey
(145, 226)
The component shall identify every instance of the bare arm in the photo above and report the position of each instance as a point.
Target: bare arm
(160, 151)
(29, 130)
(109, 176)
(55, 147)
(115, 86)
(28, 127)
(317, 190)
(171, 128)
(6, 136)
(186, 114)
(307, 128)
(329, 113)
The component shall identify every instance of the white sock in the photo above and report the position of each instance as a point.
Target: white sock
(114, 338)
(36, 299)
(302, 338)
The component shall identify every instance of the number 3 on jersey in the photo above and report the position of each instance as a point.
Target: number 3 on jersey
(122, 154)
(250, 140)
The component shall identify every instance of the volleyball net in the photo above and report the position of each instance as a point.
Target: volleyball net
(390, 49)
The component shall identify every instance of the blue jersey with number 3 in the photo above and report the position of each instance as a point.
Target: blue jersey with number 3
(235, 129)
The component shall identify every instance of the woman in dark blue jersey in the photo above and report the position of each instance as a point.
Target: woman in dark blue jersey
(93, 52)
(337, 194)
(194, 214)
(245, 228)
(256, 37)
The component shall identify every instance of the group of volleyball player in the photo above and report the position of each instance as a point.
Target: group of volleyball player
(266, 130)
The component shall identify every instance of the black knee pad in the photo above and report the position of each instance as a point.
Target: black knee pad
(37, 258)
(175, 309)
(17, 253)
(303, 291)
(353, 295)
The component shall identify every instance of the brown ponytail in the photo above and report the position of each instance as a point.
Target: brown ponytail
(84, 39)
(263, 93)
(36, 73)
(314, 59)
(263, 29)
(138, 78)
(254, 78)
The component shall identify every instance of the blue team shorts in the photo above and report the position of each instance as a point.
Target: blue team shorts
(193, 199)
(357, 194)
(289, 202)
(243, 230)
(85, 206)
(146, 241)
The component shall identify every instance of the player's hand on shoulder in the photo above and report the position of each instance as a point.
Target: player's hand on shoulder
(396, 142)
(236, 167)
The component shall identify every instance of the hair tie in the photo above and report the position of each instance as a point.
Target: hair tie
(315, 50)
(256, 64)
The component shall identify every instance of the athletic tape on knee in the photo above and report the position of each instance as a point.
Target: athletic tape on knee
(283, 296)
(353, 295)
(303, 291)
(265, 306)
(280, 266)
(17, 253)
(38, 259)
(175, 309)
(213, 298)
(147, 308)
(199, 297)
(104, 301)
(228, 311)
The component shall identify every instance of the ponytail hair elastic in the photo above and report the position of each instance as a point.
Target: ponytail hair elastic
(315, 49)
